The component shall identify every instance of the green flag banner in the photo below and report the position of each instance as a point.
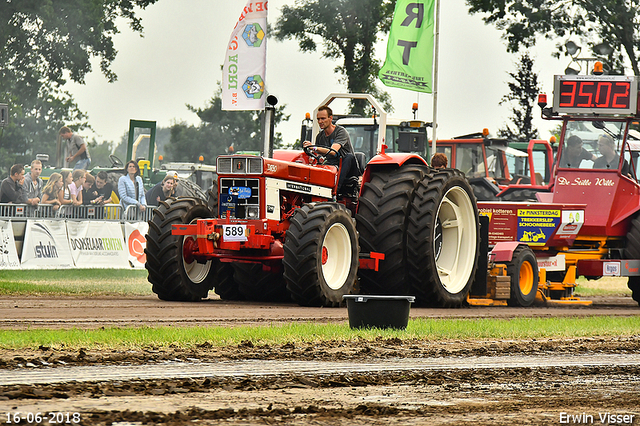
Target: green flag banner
(409, 62)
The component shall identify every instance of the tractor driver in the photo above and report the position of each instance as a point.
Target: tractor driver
(336, 137)
(574, 153)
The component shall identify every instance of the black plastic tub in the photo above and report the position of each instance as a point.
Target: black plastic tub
(368, 311)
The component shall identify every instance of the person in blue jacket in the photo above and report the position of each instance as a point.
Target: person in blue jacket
(131, 187)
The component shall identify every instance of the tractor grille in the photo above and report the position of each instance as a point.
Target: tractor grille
(248, 205)
(239, 165)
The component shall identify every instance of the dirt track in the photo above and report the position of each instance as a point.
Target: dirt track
(479, 394)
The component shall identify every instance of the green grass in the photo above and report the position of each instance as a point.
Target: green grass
(421, 329)
(84, 282)
(605, 286)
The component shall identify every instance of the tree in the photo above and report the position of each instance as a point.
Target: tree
(524, 89)
(44, 43)
(593, 22)
(218, 131)
(349, 30)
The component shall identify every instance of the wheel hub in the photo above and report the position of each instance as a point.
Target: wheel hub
(188, 247)
(325, 255)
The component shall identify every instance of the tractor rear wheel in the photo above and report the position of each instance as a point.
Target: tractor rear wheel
(523, 270)
(173, 274)
(321, 254)
(382, 218)
(226, 286)
(443, 239)
(632, 251)
(256, 284)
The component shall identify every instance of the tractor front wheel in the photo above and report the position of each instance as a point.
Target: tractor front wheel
(172, 272)
(321, 254)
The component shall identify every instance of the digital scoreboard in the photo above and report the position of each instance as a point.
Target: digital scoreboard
(595, 94)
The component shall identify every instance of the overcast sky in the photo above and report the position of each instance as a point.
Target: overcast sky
(178, 61)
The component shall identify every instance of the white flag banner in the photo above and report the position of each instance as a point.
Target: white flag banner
(46, 245)
(245, 63)
(136, 242)
(97, 244)
(8, 253)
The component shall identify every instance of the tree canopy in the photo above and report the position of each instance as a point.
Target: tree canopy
(614, 22)
(349, 30)
(523, 92)
(45, 43)
(218, 131)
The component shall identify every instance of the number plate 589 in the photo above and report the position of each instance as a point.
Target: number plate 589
(234, 232)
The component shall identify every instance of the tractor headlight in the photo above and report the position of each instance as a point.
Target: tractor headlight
(253, 212)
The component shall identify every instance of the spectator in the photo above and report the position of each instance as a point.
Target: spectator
(65, 193)
(104, 188)
(11, 190)
(33, 185)
(161, 191)
(75, 187)
(89, 195)
(439, 161)
(51, 190)
(131, 188)
(76, 148)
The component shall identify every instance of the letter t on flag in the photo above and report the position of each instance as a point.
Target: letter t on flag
(245, 63)
(409, 62)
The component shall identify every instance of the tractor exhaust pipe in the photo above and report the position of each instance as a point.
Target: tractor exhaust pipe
(269, 126)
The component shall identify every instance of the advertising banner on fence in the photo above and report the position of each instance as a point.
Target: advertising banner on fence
(97, 244)
(46, 245)
(8, 253)
(134, 233)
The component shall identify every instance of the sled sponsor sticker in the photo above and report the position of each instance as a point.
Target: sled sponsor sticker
(572, 221)
(535, 226)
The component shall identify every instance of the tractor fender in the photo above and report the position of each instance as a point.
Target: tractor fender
(503, 251)
(394, 159)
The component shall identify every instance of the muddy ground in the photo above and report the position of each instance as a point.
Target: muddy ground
(484, 395)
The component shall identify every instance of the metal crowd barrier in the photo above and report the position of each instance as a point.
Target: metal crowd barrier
(133, 214)
(101, 212)
(111, 212)
(23, 211)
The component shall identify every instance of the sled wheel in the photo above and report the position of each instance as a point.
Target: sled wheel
(523, 270)
(321, 254)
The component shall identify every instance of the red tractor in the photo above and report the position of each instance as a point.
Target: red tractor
(281, 231)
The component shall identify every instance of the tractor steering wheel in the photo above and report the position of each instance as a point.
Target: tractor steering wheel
(115, 161)
(316, 156)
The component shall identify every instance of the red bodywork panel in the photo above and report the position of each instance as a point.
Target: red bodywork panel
(609, 197)
(300, 171)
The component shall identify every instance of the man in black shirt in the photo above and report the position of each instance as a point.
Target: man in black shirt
(103, 188)
(11, 190)
(573, 153)
(335, 137)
